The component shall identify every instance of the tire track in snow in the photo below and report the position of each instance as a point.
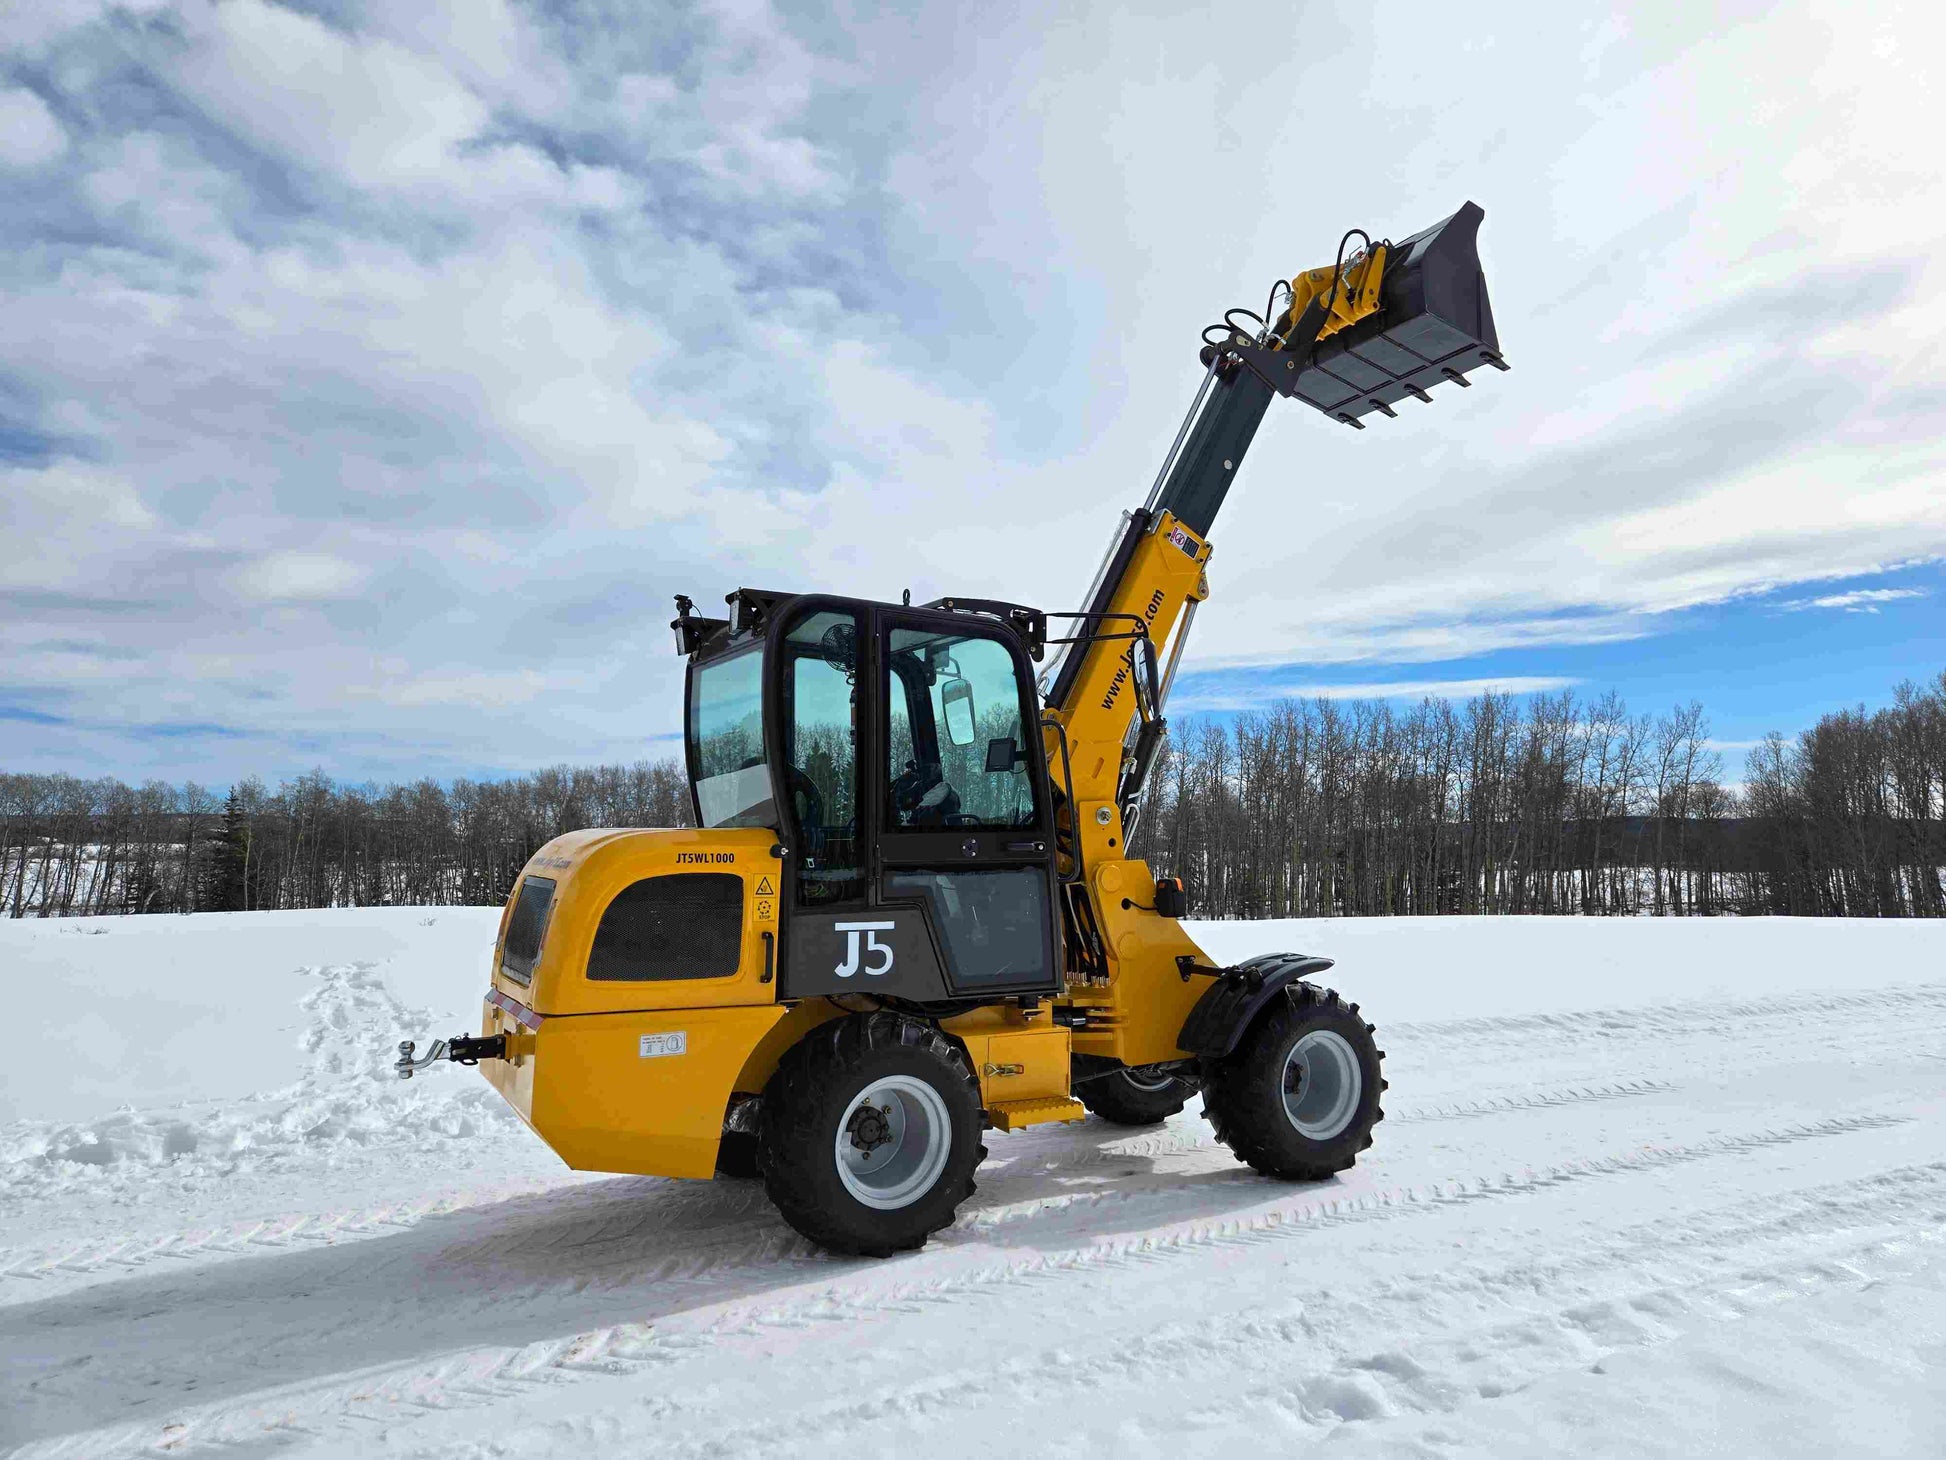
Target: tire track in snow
(1690, 1282)
(1187, 1138)
(238, 1239)
(486, 1376)
(1586, 1302)
(1659, 1019)
(1647, 1157)
(1536, 1100)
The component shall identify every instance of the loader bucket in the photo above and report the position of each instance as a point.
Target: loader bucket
(1433, 325)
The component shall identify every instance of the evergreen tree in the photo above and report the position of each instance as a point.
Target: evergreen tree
(226, 884)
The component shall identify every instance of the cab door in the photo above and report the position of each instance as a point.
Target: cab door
(958, 801)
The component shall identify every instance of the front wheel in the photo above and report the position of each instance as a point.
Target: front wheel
(1299, 1096)
(871, 1131)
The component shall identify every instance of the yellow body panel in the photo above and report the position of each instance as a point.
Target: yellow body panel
(603, 1096)
(619, 1092)
(1137, 1017)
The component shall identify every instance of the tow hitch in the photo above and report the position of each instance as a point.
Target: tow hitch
(461, 1049)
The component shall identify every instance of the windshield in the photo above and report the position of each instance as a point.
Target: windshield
(726, 742)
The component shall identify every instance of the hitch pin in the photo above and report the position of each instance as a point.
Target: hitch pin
(406, 1064)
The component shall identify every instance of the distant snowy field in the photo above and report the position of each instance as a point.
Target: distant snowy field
(1646, 1187)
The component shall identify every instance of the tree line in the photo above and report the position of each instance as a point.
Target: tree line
(70, 846)
(1548, 804)
(1552, 804)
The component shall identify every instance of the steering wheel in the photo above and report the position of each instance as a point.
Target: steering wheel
(803, 785)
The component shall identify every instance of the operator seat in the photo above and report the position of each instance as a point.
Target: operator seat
(924, 797)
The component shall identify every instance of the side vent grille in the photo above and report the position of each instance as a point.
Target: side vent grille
(683, 925)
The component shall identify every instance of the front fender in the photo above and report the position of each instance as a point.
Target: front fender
(1216, 1025)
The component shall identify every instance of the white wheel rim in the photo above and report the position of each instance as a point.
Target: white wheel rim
(907, 1155)
(1146, 1079)
(1322, 1084)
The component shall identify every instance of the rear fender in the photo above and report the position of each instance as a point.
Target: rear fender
(798, 1021)
(1227, 1009)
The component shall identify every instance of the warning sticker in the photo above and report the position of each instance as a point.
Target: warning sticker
(1184, 541)
(765, 887)
(766, 910)
(659, 1046)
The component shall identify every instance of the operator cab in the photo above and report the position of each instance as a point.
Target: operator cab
(896, 752)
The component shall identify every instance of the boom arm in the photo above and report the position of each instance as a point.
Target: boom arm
(1351, 340)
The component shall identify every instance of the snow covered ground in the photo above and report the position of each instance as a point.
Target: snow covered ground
(1646, 1187)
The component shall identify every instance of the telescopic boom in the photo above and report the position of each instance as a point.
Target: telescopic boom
(1352, 339)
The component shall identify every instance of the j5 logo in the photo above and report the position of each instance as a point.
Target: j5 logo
(854, 953)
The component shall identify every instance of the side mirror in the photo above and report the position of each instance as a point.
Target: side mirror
(956, 705)
(1002, 755)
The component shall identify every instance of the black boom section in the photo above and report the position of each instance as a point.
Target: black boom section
(1203, 474)
(1217, 1024)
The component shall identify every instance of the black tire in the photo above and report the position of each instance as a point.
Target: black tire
(1134, 1097)
(737, 1157)
(808, 1107)
(1245, 1093)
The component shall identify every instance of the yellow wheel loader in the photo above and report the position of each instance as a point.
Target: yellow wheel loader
(907, 914)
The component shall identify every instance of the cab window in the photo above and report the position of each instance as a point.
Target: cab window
(726, 742)
(820, 688)
(957, 750)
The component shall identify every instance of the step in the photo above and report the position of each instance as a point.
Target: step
(1014, 1114)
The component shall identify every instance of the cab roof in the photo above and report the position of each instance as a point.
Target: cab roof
(752, 610)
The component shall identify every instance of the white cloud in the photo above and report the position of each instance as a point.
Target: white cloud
(30, 134)
(298, 577)
(465, 691)
(1858, 600)
(1246, 696)
(371, 108)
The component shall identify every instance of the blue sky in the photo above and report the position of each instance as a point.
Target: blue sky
(371, 376)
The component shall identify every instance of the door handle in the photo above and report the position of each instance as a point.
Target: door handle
(1026, 846)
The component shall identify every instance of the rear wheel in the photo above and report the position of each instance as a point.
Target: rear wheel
(1300, 1095)
(1142, 1095)
(871, 1131)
